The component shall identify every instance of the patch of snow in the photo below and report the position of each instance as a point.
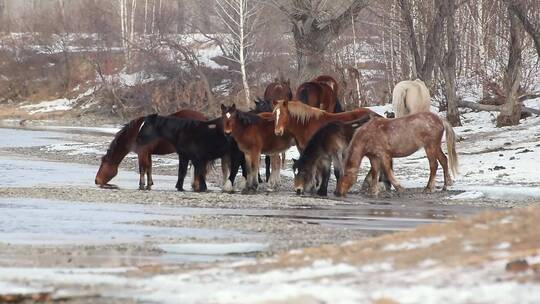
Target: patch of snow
(61, 104)
(415, 244)
(503, 246)
(213, 248)
(467, 195)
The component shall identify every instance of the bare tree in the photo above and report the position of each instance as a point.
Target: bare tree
(423, 67)
(511, 110)
(239, 18)
(448, 66)
(314, 27)
(518, 8)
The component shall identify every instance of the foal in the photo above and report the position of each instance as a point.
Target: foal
(383, 139)
(254, 134)
(326, 147)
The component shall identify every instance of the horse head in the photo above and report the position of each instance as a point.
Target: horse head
(303, 177)
(107, 171)
(262, 105)
(281, 114)
(228, 115)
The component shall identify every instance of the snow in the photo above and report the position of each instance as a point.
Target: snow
(213, 248)
(414, 244)
(61, 104)
(467, 195)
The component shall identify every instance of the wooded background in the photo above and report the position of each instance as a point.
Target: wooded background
(137, 56)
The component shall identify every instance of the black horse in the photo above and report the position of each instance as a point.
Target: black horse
(197, 141)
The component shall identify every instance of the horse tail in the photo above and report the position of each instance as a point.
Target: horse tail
(451, 146)
(398, 101)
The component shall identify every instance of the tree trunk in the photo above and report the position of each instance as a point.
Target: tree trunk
(517, 7)
(312, 36)
(242, 55)
(511, 110)
(449, 64)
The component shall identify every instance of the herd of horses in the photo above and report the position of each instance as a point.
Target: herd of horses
(312, 119)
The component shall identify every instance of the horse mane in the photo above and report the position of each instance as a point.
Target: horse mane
(302, 112)
(121, 136)
(247, 118)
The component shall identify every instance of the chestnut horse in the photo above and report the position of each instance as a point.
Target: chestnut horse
(302, 121)
(125, 141)
(321, 92)
(254, 134)
(278, 90)
(382, 139)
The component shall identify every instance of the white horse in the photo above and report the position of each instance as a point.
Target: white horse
(410, 96)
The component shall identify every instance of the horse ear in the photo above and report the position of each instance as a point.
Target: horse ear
(285, 103)
(223, 108)
(288, 82)
(233, 107)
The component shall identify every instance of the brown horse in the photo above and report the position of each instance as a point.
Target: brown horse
(383, 139)
(125, 141)
(278, 90)
(318, 95)
(328, 80)
(302, 121)
(254, 134)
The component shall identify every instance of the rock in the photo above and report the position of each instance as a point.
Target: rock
(517, 266)
(499, 168)
(525, 151)
(512, 158)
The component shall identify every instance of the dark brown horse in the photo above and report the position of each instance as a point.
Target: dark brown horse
(278, 90)
(322, 93)
(125, 141)
(254, 134)
(383, 139)
(330, 81)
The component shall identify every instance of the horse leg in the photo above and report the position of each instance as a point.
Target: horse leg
(255, 157)
(325, 171)
(388, 171)
(250, 172)
(227, 168)
(267, 163)
(150, 181)
(374, 174)
(202, 176)
(142, 158)
(275, 160)
(199, 175)
(352, 163)
(431, 153)
(182, 171)
(444, 163)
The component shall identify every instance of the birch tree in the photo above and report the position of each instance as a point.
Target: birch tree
(239, 18)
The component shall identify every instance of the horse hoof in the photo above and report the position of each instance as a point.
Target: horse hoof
(142, 187)
(427, 190)
(149, 187)
(228, 187)
(322, 193)
(180, 189)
